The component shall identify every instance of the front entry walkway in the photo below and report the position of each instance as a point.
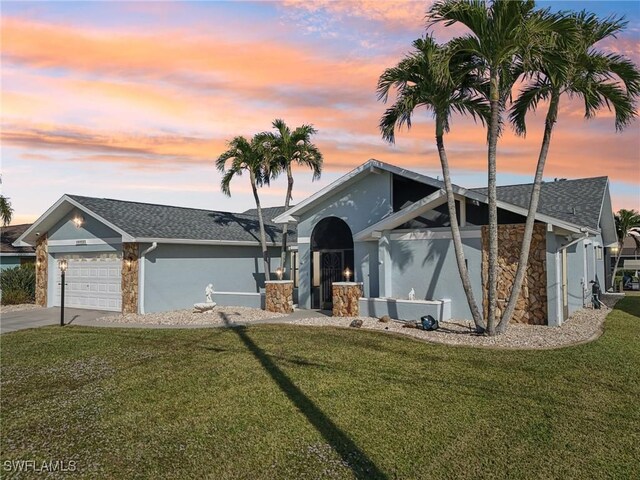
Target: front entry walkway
(41, 317)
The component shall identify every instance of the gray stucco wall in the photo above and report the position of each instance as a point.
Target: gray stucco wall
(366, 267)
(175, 276)
(90, 229)
(575, 276)
(360, 205)
(429, 267)
(304, 275)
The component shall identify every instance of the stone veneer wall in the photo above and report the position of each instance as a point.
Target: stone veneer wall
(130, 278)
(42, 270)
(531, 307)
(346, 297)
(279, 296)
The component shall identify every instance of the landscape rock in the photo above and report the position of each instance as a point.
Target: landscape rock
(357, 323)
(385, 319)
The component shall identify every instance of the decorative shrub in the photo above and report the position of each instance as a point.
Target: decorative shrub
(18, 284)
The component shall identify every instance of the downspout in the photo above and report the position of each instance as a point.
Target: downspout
(153, 246)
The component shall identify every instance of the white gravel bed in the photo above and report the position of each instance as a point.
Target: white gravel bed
(583, 326)
(217, 316)
(18, 308)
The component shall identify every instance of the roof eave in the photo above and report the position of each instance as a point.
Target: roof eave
(21, 242)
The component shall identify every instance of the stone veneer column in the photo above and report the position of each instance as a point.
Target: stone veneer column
(279, 296)
(531, 306)
(130, 278)
(42, 270)
(346, 296)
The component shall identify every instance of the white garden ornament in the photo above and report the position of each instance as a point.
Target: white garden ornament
(209, 304)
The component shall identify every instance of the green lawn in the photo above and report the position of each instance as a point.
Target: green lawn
(295, 402)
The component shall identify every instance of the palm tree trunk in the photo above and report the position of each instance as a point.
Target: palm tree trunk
(455, 233)
(523, 260)
(285, 228)
(263, 237)
(615, 266)
(492, 280)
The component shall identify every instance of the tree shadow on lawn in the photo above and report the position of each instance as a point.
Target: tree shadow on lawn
(361, 465)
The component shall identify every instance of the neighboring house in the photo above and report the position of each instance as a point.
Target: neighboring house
(630, 251)
(388, 225)
(11, 256)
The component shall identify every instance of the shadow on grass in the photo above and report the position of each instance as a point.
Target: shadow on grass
(629, 304)
(361, 465)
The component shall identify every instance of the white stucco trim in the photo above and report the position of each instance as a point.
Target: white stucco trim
(33, 229)
(17, 254)
(304, 240)
(433, 234)
(187, 241)
(84, 241)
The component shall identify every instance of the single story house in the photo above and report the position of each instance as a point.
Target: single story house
(11, 256)
(388, 225)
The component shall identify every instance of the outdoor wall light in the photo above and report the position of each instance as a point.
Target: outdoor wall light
(347, 273)
(280, 272)
(78, 221)
(614, 249)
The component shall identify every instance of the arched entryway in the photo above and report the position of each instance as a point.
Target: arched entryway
(331, 254)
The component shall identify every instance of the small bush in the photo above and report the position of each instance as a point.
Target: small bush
(15, 297)
(18, 284)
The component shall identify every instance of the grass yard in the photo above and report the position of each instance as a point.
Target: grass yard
(280, 401)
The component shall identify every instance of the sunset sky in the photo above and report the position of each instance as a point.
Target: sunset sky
(135, 100)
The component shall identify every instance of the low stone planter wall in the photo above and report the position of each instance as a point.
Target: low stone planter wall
(346, 298)
(279, 296)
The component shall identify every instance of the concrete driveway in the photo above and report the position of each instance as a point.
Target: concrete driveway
(12, 321)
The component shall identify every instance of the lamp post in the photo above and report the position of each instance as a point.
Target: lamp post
(62, 265)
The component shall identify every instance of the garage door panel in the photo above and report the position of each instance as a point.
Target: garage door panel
(94, 283)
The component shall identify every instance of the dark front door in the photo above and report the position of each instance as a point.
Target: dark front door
(331, 267)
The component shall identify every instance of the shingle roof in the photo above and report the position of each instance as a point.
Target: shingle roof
(9, 235)
(146, 220)
(268, 213)
(574, 201)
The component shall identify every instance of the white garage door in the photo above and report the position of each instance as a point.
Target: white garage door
(92, 282)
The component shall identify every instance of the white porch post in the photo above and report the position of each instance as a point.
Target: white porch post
(384, 272)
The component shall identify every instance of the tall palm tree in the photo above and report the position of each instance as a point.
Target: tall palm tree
(286, 148)
(506, 36)
(626, 222)
(247, 156)
(419, 84)
(6, 210)
(571, 66)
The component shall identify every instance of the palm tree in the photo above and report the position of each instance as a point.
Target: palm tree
(627, 221)
(571, 66)
(418, 83)
(284, 149)
(6, 210)
(506, 37)
(247, 156)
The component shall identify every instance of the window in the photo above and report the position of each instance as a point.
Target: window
(598, 253)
